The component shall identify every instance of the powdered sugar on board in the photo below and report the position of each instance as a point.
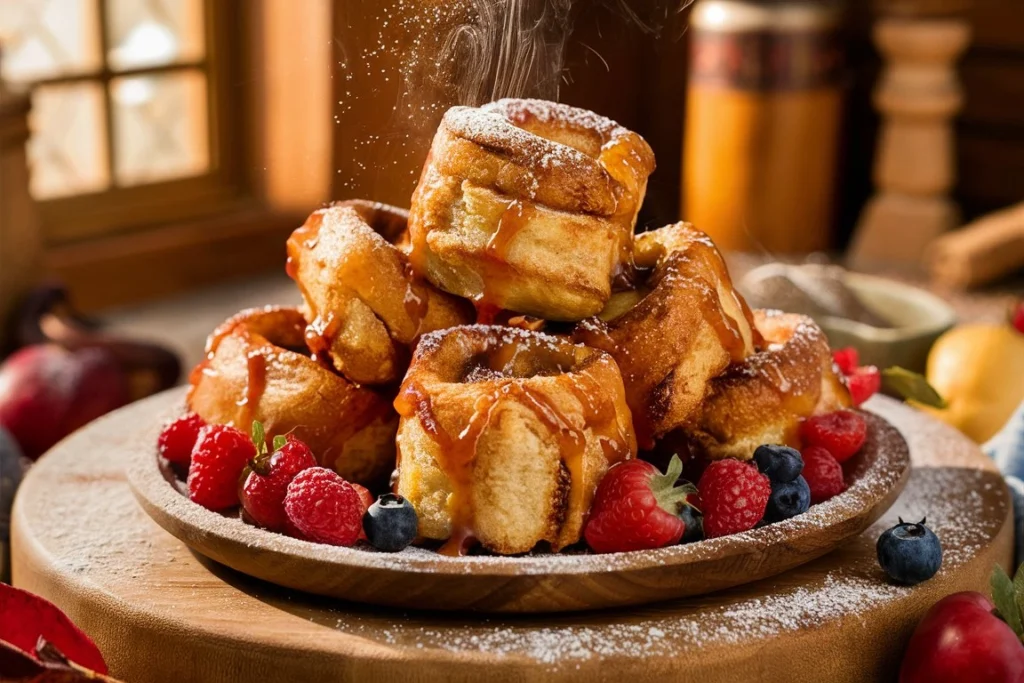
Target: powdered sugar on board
(768, 609)
(78, 515)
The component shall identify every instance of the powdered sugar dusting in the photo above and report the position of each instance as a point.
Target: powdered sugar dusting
(79, 512)
(852, 589)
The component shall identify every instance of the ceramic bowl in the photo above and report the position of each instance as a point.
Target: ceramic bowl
(919, 317)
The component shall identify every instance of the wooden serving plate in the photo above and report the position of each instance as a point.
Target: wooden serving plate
(162, 613)
(422, 579)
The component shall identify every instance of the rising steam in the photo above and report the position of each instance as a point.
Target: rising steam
(467, 52)
(513, 48)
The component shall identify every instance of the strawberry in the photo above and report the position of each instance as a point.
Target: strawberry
(733, 496)
(863, 383)
(846, 359)
(841, 433)
(220, 454)
(636, 507)
(324, 507)
(179, 437)
(367, 499)
(823, 473)
(266, 481)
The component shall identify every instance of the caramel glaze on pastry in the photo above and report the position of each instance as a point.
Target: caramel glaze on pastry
(505, 434)
(682, 325)
(258, 368)
(529, 206)
(763, 399)
(365, 306)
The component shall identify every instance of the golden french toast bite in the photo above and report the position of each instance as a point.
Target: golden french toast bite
(505, 434)
(365, 306)
(258, 368)
(529, 206)
(681, 325)
(763, 399)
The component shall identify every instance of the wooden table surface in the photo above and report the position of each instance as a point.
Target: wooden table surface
(161, 613)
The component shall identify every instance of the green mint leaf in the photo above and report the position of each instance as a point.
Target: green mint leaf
(279, 441)
(1018, 590)
(1006, 603)
(911, 385)
(259, 437)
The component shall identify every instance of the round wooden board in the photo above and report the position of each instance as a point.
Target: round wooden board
(421, 579)
(160, 612)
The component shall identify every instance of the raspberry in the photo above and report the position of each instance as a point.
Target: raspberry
(1017, 317)
(733, 496)
(847, 359)
(179, 437)
(841, 433)
(220, 454)
(636, 507)
(262, 492)
(863, 383)
(823, 473)
(324, 507)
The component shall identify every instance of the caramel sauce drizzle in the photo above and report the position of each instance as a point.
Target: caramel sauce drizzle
(416, 300)
(256, 370)
(513, 219)
(621, 160)
(458, 454)
(729, 330)
(486, 312)
(320, 335)
(255, 385)
(320, 332)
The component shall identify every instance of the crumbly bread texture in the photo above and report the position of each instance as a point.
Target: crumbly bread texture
(763, 399)
(258, 368)
(505, 434)
(529, 206)
(365, 306)
(682, 325)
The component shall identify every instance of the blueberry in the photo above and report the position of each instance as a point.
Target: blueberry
(788, 499)
(779, 463)
(390, 523)
(694, 524)
(909, 553)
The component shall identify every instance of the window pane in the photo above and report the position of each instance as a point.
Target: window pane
(154, 32)
(44, 38)
(68, 148)
(159, 126)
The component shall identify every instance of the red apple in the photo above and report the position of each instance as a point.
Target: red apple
(47, 392)
(960, 639)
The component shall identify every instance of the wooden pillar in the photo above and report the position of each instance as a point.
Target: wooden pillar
(918, 96)
(20, 241)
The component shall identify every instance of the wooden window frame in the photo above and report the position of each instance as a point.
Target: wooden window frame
(135, 207)
(271, 162)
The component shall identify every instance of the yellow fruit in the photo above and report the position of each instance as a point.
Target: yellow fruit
(979, 370)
